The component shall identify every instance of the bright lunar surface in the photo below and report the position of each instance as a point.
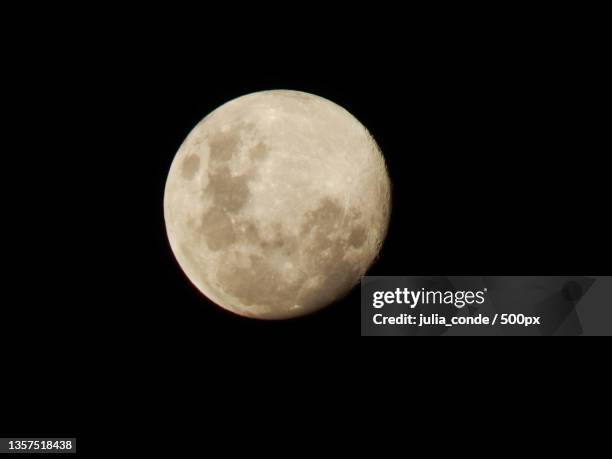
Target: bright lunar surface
(276, 204)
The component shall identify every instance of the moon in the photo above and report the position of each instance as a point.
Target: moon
(276, 204)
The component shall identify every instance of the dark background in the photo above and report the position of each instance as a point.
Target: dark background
(492, 134)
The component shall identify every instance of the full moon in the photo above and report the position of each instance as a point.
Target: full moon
(276, 204)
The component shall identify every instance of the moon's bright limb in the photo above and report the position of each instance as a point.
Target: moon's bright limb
(276, 204)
